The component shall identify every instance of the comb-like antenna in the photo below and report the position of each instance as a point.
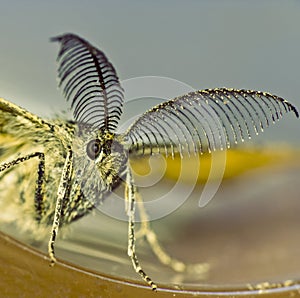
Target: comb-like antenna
(90, 82)
(204, 121)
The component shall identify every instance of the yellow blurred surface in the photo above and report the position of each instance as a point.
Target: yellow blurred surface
(236, 162)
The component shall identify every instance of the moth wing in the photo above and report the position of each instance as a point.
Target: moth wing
(14, 119)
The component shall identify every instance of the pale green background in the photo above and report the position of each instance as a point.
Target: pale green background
(241, 44)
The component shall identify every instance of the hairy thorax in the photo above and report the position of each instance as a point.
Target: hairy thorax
(91, 179)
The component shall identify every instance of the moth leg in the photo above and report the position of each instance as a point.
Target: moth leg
(151, 237)
(63, 184)
(130, 193)
(39, 196)
(147, 232)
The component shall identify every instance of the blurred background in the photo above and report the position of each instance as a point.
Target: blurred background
(204, 44)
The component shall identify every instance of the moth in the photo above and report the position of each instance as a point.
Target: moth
(57, 171)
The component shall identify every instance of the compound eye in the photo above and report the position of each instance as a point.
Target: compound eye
(93, 149)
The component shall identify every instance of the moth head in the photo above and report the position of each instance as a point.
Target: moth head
(104, 145)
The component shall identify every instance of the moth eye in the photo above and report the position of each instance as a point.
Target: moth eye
(93, 149)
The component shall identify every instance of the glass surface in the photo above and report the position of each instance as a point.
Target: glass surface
(249, 229)
(248, 234)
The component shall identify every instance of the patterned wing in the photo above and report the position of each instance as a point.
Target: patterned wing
(90, 81)
(204, 121)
